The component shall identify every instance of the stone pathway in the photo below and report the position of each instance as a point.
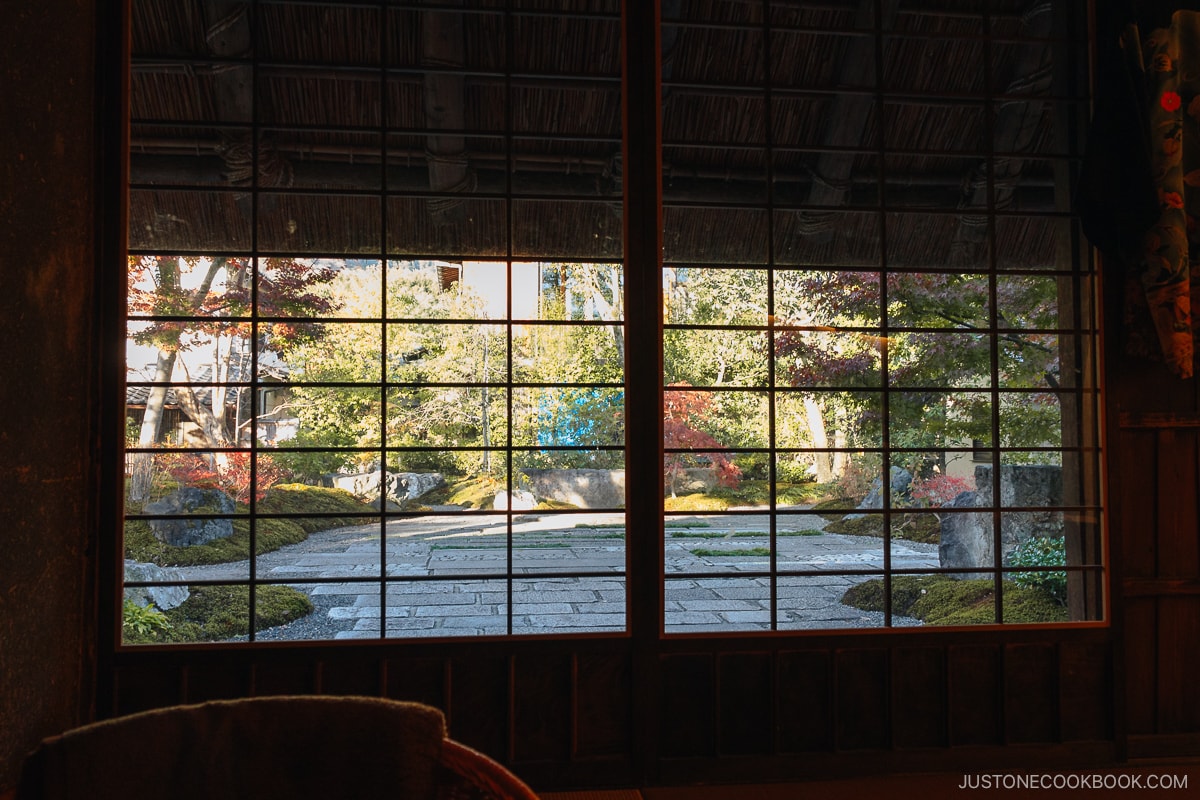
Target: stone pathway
(452, 572)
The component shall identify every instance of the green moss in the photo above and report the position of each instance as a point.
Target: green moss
(912, 527)
(214, 613)
(466, 492)
(271, 534)
(745, 551)
(941, 600)
(697, 502)
(837, 507)
(553, 505)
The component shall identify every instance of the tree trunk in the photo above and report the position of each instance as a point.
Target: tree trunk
(816, 428)
(142, 474)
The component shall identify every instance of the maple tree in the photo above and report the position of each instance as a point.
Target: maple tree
(689, 446)
(190, 304)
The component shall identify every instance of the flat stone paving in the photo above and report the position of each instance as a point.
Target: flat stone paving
(456, 568)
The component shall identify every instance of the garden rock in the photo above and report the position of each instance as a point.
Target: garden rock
(396, 488)
(967, 540)
(584, 488)
(901, 479)
(191, 532)
(163, 597)
(521, 501)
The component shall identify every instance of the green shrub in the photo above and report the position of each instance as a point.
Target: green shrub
(142, 623)
(1048, 551)
(214, 613)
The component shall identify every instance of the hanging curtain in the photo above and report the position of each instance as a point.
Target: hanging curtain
(1140, 190)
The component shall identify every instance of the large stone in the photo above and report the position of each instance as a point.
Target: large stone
(521, 500)
(901, 479)
(585, 488)
(191, 532)
(396, 488)
(163, 597)
(967, 539)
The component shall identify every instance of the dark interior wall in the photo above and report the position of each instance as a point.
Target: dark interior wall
(46, 353)
(47, 639)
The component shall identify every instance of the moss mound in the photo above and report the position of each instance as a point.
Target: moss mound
(941, 600)
(214, 613)
(744, 551)
(697, 502)
(913, 527)
(271, 534)
(465, 492)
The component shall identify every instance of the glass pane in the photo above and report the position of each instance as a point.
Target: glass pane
(717, 604)
(442, 608)
(325, 288)
(715, 235)
(824, 298)
(423, 226)
(1028, 302)
(939, 359)
(715, 175)
(812, 359)
(815, 602)
(937, 300)
(703, 296)
(568, 353)
(568, 605)
(557, 543)
(568, 417)
(450, 353)
(188, 221)
(1026, 242)
(727, 357)
(825, 238)
(558, 229)
(288, 96)
(1030, 419)
(813, 60)
(828, 419)
(941, 420)
(319, 223)
(446, 416)
(825, 177)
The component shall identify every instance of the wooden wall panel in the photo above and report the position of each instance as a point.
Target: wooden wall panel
(976, 695)
(1157, 493)
(804, 710)
(604, 713)
(688, 711)
(478, 709)
(542, 707)
(1085, 681)
(1031, 693)
(1178, 523)
(141, 687)
(862, 699)
(419, 680)
(919, 685)
(284, 677)
(745, 722)
(1134, 476)
(361, 676)
(216, 680)
(1178, 654)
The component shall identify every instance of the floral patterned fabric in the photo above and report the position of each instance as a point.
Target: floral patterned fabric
(1140, 196)
(1169, 270)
